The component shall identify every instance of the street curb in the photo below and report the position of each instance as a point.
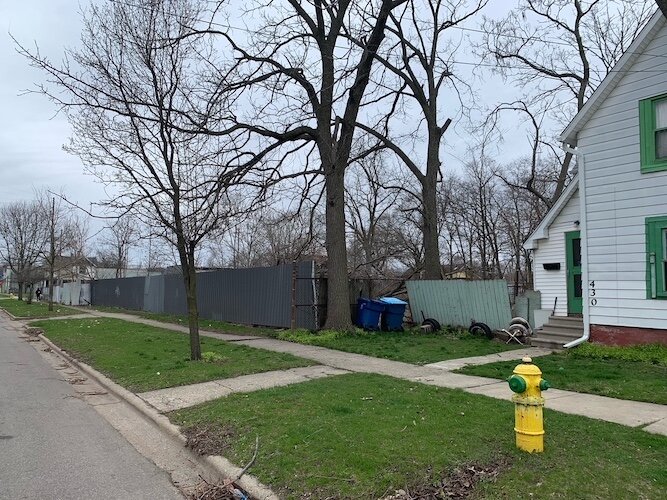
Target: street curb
(30, 318)
(215, 464)
(15, 318)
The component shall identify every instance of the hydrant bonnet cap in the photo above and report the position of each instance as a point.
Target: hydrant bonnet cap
(527, 359)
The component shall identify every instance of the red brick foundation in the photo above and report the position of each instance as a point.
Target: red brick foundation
(627, 335)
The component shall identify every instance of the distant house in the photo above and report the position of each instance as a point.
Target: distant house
(105, 273)
(459, 274)
(601, 251)
(73, 269)
(7, 281)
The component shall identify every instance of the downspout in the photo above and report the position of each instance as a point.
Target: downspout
(584, 246)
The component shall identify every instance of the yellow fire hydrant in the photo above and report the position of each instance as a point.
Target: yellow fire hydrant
(528, 385)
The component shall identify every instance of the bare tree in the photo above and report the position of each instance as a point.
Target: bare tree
(370, 218)
(290, 235)
(521, 215)
(115, 245)
(419, 68)
(312, 88)
(62, 236)
(23, 236)
(561, 49)
(130, 92)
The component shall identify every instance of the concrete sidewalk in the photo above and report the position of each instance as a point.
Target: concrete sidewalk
(651, 417)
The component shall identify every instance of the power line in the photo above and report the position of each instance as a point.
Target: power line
(464, 63)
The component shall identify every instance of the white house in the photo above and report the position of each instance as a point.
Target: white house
(601, 251)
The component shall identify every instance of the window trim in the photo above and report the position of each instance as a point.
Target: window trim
(655, 279)
(649, 163)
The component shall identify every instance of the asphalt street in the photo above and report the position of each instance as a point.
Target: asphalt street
(53, 445)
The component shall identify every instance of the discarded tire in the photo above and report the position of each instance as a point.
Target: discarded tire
(522, 322)
(519, 330)
(481, 329)
(433, 323)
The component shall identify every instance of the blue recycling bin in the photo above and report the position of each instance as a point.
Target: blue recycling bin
(369, 312)
(394, 311)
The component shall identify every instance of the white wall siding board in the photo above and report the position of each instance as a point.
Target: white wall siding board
(619, 197)
(635, 204)
(553, 284)
(643, 187)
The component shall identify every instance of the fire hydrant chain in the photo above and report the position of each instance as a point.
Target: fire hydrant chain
(528, 384)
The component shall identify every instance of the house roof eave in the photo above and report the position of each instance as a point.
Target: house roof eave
(542, 230)
(569, 135)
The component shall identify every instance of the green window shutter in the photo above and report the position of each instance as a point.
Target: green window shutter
(656, 257)
(647, 134)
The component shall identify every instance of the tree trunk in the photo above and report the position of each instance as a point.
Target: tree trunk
(52, 251)
(186, 252)
(193, 319)
(432, 269)
(190, 280)
(338, 294)
(430, 229)
(51, 285)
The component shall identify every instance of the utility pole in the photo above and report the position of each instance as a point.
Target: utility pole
(52, 251)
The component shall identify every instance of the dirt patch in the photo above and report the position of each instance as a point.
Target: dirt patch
(458, 484)
(33, 332)
(209, 439)
(210, 491)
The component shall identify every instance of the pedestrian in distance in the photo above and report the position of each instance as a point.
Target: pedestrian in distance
(38, 293)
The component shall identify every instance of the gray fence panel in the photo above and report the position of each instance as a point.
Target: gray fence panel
(256, 296)
(259, 296)
(306, 300)
(174, 295)
(127, 293)
(154, 293)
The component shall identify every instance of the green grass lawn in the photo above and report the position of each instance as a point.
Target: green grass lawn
(21, 309)
(364, 436)
(141, 358)
(636, 373)
(410, 346)
(206, 324)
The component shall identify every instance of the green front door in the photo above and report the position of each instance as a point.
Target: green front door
(574, 288)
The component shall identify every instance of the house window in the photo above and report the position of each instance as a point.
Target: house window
(653, 133)
(656, 257)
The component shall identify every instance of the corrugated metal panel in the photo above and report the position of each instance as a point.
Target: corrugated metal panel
(154, 293)
(526, 304)
(458, 303)
(174, 300)
(256, 296)
(260, 296)
(127, 293)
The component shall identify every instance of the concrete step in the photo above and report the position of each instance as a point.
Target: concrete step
(566, 322)
(545, 343)
(548, 330)
(576, 323)
(550, 341)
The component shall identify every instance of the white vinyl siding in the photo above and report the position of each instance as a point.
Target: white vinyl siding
(552, 284)
(619, 197)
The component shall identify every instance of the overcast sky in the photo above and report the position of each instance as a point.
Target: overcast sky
(31, 135)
